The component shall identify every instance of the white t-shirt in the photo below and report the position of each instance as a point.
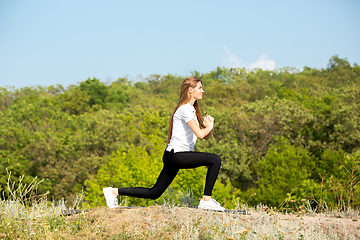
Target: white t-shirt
(182, 137)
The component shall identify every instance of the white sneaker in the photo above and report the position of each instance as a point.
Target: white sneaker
(111, 199)
(212, 204)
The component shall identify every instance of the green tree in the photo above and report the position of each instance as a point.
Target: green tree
(74, 101)
(284, 171)
(6, 97)
(97, 91)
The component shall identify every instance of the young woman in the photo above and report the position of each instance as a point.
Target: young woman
(185, 127)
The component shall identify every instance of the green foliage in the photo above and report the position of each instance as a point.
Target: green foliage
(284, 171)
(74, 101)
(5, 98)
(265, 122)
(339, 189)
(117, 92)
(96, 91)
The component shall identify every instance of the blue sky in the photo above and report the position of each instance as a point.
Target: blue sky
(65, 42)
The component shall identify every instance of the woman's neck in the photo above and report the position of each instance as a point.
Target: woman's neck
(192, 101)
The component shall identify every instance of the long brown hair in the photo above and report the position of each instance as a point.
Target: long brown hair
(185, 98)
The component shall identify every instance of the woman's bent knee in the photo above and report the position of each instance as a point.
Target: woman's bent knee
(217, 160)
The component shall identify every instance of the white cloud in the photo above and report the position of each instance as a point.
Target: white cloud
(232, 61)
(264, 63)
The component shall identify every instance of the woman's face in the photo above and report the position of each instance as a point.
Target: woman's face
(197, 91)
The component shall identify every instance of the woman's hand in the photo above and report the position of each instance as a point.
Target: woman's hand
(202, 133)
(210, 118)
(208, 121)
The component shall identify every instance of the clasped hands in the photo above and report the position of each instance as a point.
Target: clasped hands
(208, 121)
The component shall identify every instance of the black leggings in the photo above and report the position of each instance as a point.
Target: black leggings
(173, 162)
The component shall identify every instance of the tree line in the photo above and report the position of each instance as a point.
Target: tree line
(282, 135)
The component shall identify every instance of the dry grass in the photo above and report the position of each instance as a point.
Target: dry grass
(27, 218)
(171, 222)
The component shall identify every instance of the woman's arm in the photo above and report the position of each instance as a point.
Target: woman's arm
(202, 133)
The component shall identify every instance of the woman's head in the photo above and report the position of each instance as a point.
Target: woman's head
(191, 87)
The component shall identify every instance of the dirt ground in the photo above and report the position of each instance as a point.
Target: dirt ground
(159, 218)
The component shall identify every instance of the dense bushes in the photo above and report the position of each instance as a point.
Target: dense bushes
(284, 134)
